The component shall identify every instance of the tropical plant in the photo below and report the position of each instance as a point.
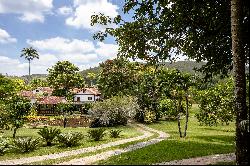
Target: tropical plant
(4, 145)
(29, 54)
(49, 134)
(25, 144)
(69, 139)
(96, 134)
(115, 133)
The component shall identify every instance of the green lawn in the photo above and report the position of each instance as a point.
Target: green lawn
(200, 141)
(43, 150)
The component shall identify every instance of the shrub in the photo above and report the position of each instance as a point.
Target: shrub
(168, 108)
(149, 116)
(115, 133)
(48, 134)
(96, 134)
(25, 144)
(114, 111)
(70, 139)
(4, 145)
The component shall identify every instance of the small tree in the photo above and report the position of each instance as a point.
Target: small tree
(17, 108)
(63, 76)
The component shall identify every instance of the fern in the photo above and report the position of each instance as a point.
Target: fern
(48, 134)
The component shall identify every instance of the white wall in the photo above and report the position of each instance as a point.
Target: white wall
(84, 97)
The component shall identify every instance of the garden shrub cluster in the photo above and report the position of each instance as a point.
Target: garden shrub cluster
(113, 111)
(216, 104)
(96, 134)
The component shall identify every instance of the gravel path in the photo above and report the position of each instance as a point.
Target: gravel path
(205, 160)
(102, 156)
(27, 160)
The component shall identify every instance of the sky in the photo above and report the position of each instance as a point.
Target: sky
(57, 29)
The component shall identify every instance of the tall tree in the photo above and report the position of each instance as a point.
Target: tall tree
(91, 76)
(29, 54)
(199, 29)
(242, 141)
(64, 76)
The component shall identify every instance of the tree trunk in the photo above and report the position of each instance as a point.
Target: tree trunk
(187, 115)
(242, 139)
(178, 117)
(29, 68)
(14, 133)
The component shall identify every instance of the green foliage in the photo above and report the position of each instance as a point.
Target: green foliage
(216, 103)
(168, 108)
(38, 82)
(96, 134)
(7, 88)
(70, 139)
(117, 77)
(114, 111)
(149, 116)
(48, 134)
(64, 76)
(158, 31)
(16, 110)
(115, 133)
(29, 54)
(25, 144)
(4, 145)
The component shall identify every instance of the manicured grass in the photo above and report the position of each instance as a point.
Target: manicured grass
(127, 132)
(200, 141)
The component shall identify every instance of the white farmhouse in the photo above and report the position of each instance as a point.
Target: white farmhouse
(86, 95)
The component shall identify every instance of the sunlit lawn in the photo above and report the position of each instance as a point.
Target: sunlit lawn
(127, 132)
(200, 141)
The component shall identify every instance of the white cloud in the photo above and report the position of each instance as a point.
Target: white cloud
(63, 45)
(5, 37)
(65, 10)
(30, 10)
(84, 9)
(107, 51)
(83, 53)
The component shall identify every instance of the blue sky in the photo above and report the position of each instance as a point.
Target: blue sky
(58, 29)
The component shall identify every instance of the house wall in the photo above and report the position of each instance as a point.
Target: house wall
(84, 97)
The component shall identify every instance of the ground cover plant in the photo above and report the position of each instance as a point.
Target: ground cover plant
(200, 141)
(49, 134)
(56, 148)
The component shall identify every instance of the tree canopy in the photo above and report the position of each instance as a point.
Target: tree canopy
(64, 76)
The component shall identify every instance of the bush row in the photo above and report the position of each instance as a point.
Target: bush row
(50, 135)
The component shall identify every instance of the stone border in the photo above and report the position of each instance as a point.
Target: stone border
(104, 155)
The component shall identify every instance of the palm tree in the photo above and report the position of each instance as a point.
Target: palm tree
(29, 54)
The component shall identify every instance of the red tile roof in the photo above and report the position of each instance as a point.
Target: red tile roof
(28, 94)
(51, 100)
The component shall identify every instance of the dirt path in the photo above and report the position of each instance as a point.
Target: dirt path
(104, 155)
(26, 160)
(205, 160)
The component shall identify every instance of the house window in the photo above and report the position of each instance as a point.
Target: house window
(89, 98)
(78, 99)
